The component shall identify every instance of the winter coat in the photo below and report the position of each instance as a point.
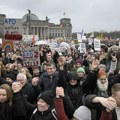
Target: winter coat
(101, 93)
(48, 83)
(112, 79)
(46, 115)
(59, 107)
(76, 92)
(97, 107)
(31, 93)
(13, 112)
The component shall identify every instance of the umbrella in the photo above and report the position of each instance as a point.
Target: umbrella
(64, 44)
(41, 42)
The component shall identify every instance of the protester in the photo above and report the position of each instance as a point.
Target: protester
(102, 84)
(74, 76)
(30, 91)
(10, 103)
(111, 104)
(25, 71)
(10, 78)
(36, 72)
(77, 84)
(48, 80)
(59, 104)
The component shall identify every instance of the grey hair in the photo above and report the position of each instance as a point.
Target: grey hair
(21, 74)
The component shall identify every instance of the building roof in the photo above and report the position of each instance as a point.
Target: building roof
(32, 17)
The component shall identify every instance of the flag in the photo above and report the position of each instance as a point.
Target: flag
(82, 33)
(92, 35)
(100, 36)
(64, 13)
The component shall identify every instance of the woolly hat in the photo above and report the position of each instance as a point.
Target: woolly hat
(47, 96)
(11, 76)
(101, 73)
(82, 113)
(79, 61)
(81, 69)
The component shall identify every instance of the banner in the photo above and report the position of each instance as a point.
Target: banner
(8, 46)
(13, 29)
(30, 38)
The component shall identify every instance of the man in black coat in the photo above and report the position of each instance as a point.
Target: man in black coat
(30, 91)
(111, 104)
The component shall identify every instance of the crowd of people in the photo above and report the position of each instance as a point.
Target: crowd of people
(67, 85)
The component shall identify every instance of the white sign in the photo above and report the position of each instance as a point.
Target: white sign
(90, 41)
(13, 26)
(82, 48)
(97, 45)
(53, 45)
(31, 57)
(79, 37)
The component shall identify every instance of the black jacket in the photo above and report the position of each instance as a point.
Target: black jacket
(15, 111)
(77, 91)
(96, 108)
(31, 93)
(46, 115)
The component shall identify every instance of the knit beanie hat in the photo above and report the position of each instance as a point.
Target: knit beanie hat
(82, 113)
(102, 73)
(81, 69)
(47, 96)
(11, 76)
(79, 61)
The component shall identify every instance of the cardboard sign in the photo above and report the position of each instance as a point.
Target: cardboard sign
(97, 45)
(82, 48)
(31, 57)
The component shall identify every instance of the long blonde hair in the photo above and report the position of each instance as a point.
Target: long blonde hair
(27, 72)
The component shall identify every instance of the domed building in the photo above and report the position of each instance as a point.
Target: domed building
(32, 17)
(44, 29)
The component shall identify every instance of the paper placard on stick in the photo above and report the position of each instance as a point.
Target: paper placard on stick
(82, 48)
(97, 45)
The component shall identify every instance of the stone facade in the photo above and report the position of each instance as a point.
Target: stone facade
(44, 29)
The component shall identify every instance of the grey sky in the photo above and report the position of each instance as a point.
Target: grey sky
(89, 15)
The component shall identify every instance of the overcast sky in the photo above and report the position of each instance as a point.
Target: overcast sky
(89, 15)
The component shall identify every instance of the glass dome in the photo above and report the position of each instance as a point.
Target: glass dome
(32, 17)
